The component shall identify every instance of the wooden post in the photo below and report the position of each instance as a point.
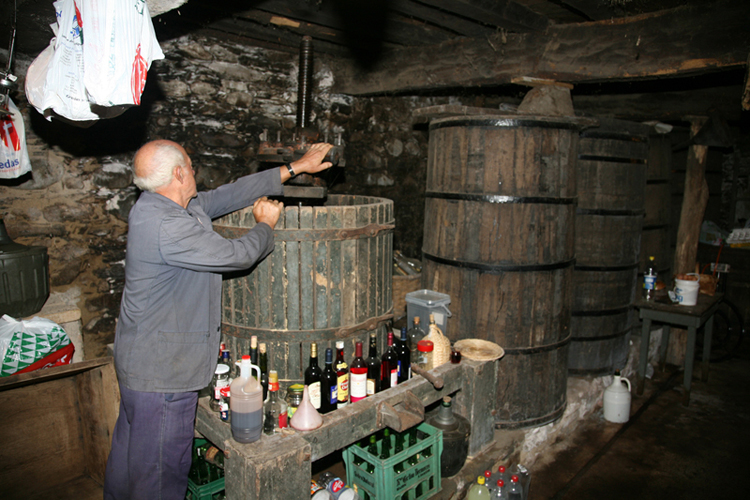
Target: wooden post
(694, 203)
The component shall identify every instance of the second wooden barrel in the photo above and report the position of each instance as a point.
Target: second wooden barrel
(499, 239)
(611, 185)
(328, 279)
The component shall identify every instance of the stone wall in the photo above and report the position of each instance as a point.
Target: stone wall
(216, 98)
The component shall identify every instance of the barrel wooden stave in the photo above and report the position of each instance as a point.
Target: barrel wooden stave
(312, 289)
(498, 238)
(609, 223)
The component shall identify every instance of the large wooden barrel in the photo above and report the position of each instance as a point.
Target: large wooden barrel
(498, 238)
(655, 237)
(328, 279)
(611, 184)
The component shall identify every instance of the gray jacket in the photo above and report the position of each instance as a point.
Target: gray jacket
(169, 329)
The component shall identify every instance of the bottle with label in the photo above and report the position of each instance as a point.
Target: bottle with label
(358, 375)
(329, 394)
(318, 492)
(342, 374)
(220, 380)
(649, 279)
(424, 357)
(338, 489)
(293, 398)
(263, 365)
(373, 366)
(226, 359)
(478, 490)
(246, 404)
(313, 376)
(404, 356)
(415, 334)
(224, 414)
(254, 350)
(275, 408)
(389, 366)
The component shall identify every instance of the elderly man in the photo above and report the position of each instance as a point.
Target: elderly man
(168, 332)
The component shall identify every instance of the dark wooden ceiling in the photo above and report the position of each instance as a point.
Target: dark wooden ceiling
(648, 51)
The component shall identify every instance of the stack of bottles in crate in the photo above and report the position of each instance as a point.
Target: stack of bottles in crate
(206, 476)
(389, 465)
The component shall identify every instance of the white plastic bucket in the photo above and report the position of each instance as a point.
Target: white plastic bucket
(686, 292)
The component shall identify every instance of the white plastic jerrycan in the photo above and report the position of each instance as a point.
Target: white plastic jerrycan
(617, 400)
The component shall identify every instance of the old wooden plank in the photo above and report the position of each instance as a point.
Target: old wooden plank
(277, 302)
(307, 278)
(349, 284)
(335, 268)
(292, 264)
(693, 204)
(95, 428)
(363, 268)
(505, 14)
(321, 260)
(682, 41)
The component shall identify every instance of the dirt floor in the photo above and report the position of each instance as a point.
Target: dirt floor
(666, 450)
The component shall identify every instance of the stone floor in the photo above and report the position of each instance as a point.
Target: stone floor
(666, 450)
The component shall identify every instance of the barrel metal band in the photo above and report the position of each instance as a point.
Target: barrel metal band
(612, 159)
(602, 312)
(623, 267)
(504, 123)
(533, 422)
(610, 213)
(499, 268)
(281, 234)
(602, 337)
(537, 350)
(317, 334)
(618, 136)
(496, 198)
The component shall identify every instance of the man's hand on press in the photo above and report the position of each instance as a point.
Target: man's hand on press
(312, 161)
(268, 211)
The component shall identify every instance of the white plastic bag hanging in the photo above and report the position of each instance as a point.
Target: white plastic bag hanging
(119, 45)
(64, 92)
(98, 61)
(14, 157)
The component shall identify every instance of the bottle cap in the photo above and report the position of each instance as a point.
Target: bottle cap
(253, 342)
(329, 355)
(339, 344)
(262, 347)
(487, 474)
(403, 333)
(500, 483)
(221, 369)
(501, 469)
(514, 478)
(425, 346)
(480, 480)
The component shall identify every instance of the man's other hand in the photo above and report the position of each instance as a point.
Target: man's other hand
(268, 211)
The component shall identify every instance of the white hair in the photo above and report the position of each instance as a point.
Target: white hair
(163, 160)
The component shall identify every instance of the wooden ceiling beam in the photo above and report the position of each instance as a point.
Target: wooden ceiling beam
(677, 42)
(505, 14)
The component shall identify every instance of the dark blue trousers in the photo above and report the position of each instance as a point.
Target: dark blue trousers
(151, 446)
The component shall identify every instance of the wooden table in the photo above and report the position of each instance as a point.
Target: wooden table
(663, 310)
(278, 467)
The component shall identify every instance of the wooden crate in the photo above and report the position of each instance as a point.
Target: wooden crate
(56, 428)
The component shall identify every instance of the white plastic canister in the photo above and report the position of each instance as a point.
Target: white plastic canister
(617, 400)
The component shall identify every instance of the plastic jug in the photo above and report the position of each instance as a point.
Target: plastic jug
(617, 400)
(246, 403)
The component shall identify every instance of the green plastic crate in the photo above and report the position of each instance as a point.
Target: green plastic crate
(376, 479)
(205, 491)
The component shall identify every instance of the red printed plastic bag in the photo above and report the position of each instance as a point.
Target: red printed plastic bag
(119, 45)
(27, 345)
(14, 157)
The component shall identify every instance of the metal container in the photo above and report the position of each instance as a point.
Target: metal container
(24, 277)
